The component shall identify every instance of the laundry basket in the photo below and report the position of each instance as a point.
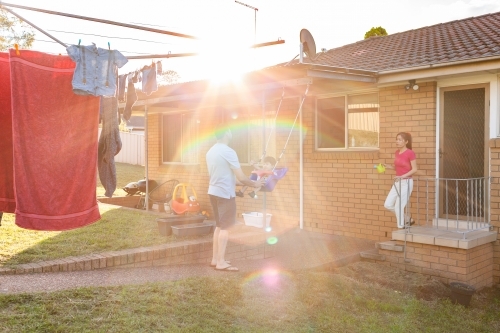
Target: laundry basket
(254, 219)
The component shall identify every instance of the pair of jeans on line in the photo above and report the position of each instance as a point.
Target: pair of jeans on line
(397, 199)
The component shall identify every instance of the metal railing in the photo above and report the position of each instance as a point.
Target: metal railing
(455, 205)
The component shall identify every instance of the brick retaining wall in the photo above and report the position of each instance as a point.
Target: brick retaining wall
(473, 266)
(248, 245)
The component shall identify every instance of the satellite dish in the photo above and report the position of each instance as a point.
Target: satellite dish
(309, 46)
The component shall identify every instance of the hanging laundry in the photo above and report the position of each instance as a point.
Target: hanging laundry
(159, 68)
(96, 69)
(110, 144)
(122, 82)
(54, 144)
(131, 99)
(7, 200)
(149, 84)
(137, 77)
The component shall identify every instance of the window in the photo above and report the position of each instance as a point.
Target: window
(180, 139)
(240, 131)
(248, 135)
(345, 122)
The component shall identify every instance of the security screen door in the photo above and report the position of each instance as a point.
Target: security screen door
(462, 150)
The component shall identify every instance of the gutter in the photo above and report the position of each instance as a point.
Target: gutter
(445, 64)
(345, 70)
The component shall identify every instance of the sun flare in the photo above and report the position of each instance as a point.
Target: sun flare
(223, 63)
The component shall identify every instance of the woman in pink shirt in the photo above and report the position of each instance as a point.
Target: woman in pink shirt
(405, 164)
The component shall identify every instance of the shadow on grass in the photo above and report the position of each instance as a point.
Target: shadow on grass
(119, 228)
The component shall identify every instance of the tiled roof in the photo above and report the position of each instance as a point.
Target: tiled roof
(467, 39)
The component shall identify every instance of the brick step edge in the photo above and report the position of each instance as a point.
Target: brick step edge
(372, 255)
(389, 246)
(185, 252)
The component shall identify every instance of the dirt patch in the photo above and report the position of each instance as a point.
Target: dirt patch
(423, 287)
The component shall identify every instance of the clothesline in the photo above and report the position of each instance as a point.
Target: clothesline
(132, 26)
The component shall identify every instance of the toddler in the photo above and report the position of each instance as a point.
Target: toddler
(262, 172)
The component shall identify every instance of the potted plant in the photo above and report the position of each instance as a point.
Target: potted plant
(461, 293)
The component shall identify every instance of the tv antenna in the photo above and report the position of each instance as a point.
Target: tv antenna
(255, 19)
(307, 45)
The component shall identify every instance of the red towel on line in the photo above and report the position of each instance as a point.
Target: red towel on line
(55, 144)
(7, 201)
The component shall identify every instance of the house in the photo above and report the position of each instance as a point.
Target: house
(135, 124)
(440, 82)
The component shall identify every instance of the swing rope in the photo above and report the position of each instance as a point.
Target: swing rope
(275, 176)
(293, 126)
(272, 129)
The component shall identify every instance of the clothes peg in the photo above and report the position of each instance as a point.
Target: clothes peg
(79, 41)
(16, 46)
(109, 46)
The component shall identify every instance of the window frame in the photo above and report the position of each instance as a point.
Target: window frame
(246, 141)
(254, 152)
(346, 122)
(182, 141)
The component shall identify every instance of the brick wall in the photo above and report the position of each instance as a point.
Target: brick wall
(473, 266)
(282, 202)
(243, 245)
(344, 194)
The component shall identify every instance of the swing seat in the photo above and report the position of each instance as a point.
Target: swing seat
(271, 180)
(182, 203)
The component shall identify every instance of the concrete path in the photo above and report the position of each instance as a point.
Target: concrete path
(296, 250)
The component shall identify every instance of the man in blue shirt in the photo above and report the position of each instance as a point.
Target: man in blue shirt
(224, 168)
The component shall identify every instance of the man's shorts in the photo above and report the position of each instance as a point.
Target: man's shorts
(224, 211)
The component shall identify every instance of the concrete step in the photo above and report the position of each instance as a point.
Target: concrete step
(372, 255)
(193, 229)
(390, 246)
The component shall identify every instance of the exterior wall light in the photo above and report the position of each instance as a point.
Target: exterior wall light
(411, 85)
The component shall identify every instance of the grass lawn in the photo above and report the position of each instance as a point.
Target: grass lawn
(118, 229)
(297, 301)
(125, 173)
(291, 302)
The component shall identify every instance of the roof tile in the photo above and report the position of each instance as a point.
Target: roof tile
(467, 39)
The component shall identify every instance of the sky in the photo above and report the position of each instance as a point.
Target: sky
(226, 29)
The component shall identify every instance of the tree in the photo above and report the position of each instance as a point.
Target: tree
(374, 32)
(14, 31)
(169, 77)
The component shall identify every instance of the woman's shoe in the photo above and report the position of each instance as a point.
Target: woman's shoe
(410, 222)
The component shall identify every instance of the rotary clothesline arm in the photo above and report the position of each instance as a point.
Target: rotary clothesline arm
(4, 5)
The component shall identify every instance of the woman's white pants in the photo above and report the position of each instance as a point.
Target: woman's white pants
(397, 199)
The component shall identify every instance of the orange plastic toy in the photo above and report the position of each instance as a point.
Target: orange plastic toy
(182, 202)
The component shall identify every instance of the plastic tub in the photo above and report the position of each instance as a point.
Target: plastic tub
(254, 219)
